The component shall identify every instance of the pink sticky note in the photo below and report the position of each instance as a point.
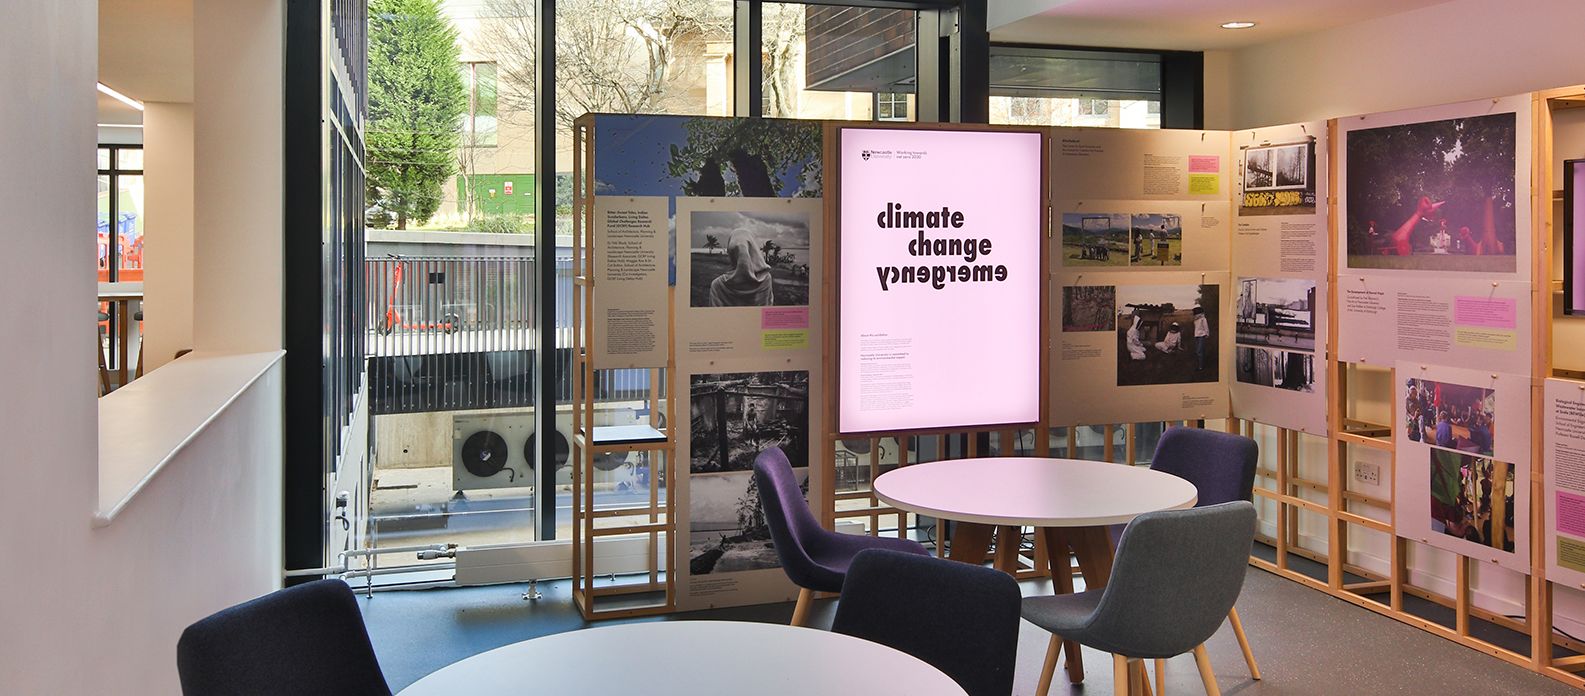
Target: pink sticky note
(1490, 312)
(1204, 164)
(784, 318)
(1571, 514)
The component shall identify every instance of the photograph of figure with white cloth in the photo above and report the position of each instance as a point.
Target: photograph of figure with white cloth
(763, 262)
(1155, 323)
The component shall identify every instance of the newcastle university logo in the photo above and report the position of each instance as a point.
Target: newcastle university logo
(865, 154)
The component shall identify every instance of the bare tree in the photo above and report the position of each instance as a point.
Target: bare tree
(783, 32)
(618, 56)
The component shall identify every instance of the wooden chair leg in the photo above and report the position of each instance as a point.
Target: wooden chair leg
(1243, 642)
(1122, 676)
(1048, 670)
(806, 597)
(1144, 678)
(1161, 678)
(1203, 661)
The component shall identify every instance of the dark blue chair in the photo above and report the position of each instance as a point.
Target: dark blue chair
(307, 639)
(815, 559)
(1176, 576)
(960, 618)
(1222, 468)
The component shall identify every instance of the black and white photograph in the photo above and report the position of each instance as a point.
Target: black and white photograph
(1089, 308)
(1279, 179)
(1280, 369)
(1157, 239)
(1276, 312)
(726, 523)
(1437, 195)
(748, 259)
(1095, 239)
(735, 416)
(1166, 334)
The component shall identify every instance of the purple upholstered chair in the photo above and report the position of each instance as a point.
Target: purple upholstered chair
(1222, 468)
(816, 560)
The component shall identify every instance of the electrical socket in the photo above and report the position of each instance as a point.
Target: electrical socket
(1367, 473)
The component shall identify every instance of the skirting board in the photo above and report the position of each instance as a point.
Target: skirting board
(1447, 587)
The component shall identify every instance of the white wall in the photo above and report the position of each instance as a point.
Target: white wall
(1455, 51)
(237, 220)
(168, 244)
(1217, 90)
(95, 611)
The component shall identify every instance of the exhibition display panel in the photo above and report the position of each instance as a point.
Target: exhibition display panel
(1372, 296)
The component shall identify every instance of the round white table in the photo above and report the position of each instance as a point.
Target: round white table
(1069, 502)
(1033, 491)
(690, 658)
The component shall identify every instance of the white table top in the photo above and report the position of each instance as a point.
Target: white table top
(1033, 491)
(690, 658)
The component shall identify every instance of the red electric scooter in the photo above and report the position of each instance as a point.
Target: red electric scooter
(449, 322)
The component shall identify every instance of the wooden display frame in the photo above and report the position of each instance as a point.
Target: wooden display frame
(657, 518)
(1349, 431)
(1294, 493)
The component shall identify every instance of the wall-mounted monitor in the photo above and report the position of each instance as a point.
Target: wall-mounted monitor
(940, 250)
(1573, 246)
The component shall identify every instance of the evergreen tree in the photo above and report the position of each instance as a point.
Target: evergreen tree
(416, 103)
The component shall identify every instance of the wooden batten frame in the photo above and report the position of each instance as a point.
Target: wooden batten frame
(1348, 431)
(659, 525)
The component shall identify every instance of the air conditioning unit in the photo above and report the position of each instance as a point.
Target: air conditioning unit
(487, 451)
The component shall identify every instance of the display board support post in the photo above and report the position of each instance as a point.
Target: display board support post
(653, 521)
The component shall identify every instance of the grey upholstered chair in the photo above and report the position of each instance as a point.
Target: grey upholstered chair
(1176, 575)
(960, 618)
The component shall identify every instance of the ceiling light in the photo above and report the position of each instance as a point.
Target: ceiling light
(1237, 25)
(124, 99)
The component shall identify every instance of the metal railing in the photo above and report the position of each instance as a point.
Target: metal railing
(454, 333)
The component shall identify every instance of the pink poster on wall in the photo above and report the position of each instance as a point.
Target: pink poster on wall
(940, 255)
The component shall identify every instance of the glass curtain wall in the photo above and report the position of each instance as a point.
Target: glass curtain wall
(450, 206)
(451, 226)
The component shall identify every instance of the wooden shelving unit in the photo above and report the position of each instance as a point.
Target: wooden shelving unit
(597, 589)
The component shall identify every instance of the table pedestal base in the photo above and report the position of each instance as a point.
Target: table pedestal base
(1091, 546)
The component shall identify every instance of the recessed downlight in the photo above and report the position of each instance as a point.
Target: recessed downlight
(1237, 25)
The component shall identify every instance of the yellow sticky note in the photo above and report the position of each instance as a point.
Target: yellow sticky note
(782, 339)
(1204, 184)
(1490, 339)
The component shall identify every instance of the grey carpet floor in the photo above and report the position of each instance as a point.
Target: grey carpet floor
(1305, 641)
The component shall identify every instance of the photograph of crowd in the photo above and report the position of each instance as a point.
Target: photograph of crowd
(1282, 369)
(1157, 240)
(1089, 308)
(1450, 415)
(748, 259)
(1279, 179)
(1095, 239)
(726, 523)
(1472, 499)
(734, 416)
(1166, 334)
(1276, 312)
(1438, 195)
